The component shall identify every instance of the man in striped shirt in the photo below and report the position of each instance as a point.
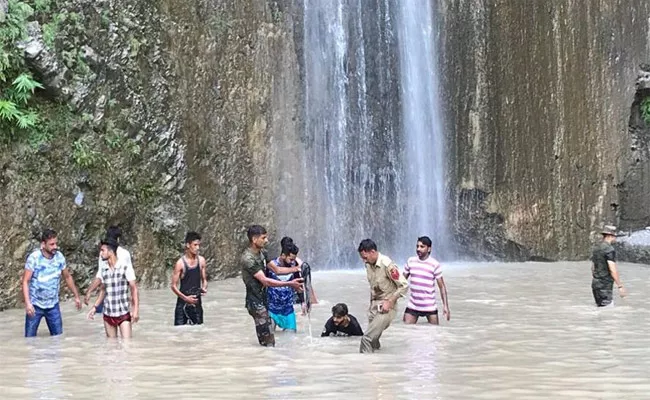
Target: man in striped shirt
(423, 272)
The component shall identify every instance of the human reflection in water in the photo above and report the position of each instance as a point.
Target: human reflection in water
(116, 369)
(45, 369)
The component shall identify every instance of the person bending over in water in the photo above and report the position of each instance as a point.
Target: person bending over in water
(283, 268)
(191, 271)
(423, 272)
(117, 278)
(253, 265)
(341, 323)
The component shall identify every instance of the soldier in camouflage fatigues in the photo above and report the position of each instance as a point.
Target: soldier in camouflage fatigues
(253, 265)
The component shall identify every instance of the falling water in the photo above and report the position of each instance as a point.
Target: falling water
(422, 125)
(371, 165)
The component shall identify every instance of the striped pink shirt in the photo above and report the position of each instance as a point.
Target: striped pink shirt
(422, 283)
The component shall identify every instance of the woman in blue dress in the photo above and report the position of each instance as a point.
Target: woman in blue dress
(281, 299)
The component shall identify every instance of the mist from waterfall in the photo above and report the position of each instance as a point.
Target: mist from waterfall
(422, 126)
(372, 151)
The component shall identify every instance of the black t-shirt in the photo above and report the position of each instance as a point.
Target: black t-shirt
(353, 328)
(602, 253)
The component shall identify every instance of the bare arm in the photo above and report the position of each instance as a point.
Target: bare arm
(281, 270)
(91, 289)
(614, 272)
(98, 302)
(27, 276)
(204, 274)
(443, 294)
(135, 301)
(70, 282)
(296, 284)
(100, 298)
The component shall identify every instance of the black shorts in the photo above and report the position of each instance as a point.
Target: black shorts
(187, 313)
(416, 313)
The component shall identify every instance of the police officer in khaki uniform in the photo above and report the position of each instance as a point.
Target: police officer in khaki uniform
(386, 286)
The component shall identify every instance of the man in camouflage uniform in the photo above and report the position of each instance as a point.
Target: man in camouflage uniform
(604, 270)
(253, 268)
(386, 286)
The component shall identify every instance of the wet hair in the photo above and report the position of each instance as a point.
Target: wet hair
(289, 248)
(340, 310)
(47, 235)
(367, 245)
(111, 243)
(114, 232)
(255, 231)
(285, 241)
(425, 240)
(191, 236)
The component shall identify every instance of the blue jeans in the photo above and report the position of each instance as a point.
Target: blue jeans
(52, 317)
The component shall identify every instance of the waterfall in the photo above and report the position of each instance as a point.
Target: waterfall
(422, 126)
(370, 166)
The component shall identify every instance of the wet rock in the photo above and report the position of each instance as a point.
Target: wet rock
(482, 235)
(4, 7)
(634, 189)
(90, 57)
(634, 247)
(43, 61)
(643, 77)
(530, 127)
(21, 252)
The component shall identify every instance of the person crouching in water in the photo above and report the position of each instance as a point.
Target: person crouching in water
(341, 323)
(283, 268)
(117, 278)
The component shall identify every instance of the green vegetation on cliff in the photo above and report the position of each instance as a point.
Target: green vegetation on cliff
(85, 137)
(18, 118)
(31, 114)
(645, 110)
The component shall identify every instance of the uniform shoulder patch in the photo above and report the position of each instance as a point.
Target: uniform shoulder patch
(394, 273)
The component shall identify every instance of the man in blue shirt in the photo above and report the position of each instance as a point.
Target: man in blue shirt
(43, 271)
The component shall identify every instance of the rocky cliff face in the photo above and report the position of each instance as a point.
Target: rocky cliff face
(156, 117)
(538, 98)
